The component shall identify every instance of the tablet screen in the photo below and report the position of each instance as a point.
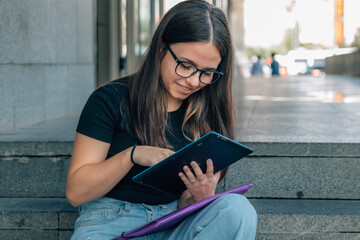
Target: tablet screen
(164, 175)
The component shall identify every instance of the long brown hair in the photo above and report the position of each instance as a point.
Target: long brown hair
(210, 108)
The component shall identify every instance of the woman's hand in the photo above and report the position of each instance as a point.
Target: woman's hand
(200, 185)
(149, 156)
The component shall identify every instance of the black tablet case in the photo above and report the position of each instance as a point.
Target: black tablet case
(164, 176)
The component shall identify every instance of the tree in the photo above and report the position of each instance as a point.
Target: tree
(356, 42)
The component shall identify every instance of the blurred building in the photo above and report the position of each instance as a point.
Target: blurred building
(47, 59)
(55, 53)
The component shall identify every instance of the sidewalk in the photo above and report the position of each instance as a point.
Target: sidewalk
(293, 109)
(299, 109)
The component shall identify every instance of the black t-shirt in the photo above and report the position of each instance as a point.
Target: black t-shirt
(106, 117)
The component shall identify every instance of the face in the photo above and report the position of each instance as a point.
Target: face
(204, 55)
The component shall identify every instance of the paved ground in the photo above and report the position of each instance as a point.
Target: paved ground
(293, 109)
(299, 109)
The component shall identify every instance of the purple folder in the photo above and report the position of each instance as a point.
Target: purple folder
(171, 220)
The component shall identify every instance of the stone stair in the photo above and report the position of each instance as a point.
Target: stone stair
(301, 190)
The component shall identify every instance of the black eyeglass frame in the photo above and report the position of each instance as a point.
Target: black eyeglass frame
(220, 74)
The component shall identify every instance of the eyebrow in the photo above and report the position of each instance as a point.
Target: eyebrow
(190, 61)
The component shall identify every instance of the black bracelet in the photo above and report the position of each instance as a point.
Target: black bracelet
(132, 154)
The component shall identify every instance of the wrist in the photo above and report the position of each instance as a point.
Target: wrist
(132, 154)
(186, 199)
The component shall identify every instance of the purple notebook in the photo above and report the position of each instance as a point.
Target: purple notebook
(174, 218)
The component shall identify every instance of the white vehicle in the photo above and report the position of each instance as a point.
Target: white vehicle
(304, 61)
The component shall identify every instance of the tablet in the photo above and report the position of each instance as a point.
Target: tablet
(164, 177)
(175, 218)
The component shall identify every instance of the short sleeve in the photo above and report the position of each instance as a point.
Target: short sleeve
(100, 114)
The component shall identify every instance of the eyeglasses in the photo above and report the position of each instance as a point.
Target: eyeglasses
(186, 69)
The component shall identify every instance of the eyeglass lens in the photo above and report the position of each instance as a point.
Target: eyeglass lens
(186, 70)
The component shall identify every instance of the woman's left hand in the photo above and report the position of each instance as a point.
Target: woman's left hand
(200, 185)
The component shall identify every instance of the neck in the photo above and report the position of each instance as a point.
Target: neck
(173, 106)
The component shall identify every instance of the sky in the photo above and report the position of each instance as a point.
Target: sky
(351, 19)
(265, 21)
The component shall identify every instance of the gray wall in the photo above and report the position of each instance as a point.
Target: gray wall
(47, 65)
(346, 64)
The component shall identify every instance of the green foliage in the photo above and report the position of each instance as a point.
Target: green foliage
(356, 42)
(257, 51)
(286, 44)
(282, 48)
(312, 46)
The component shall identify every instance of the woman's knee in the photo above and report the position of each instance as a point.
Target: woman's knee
(232, 215)
(237, 207)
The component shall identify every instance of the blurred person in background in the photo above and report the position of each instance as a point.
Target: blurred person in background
(257, 68)
(274, 65)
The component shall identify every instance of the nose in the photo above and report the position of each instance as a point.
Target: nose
(194, 80)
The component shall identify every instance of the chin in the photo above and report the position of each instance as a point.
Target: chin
(181, 97)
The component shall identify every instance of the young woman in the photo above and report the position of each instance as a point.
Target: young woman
(181, 91)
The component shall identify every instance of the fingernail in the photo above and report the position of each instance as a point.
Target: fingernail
(209, 160)
(192, 163)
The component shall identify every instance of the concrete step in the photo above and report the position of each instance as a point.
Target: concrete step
(36, 218)
(299, 170)
(53, 218)
(307, 219)
(277, 170)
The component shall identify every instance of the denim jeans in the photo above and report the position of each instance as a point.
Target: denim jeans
(229, 217)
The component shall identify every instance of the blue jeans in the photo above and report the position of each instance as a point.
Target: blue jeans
(229, 217)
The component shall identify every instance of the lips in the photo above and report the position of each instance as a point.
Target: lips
(184, 90)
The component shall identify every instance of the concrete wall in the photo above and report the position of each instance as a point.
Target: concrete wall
(346, 64)
(47, 67)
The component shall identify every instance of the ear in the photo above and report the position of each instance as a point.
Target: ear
(162, 45)
(162, 49)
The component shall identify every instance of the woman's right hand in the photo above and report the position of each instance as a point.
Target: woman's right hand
(149, 156)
